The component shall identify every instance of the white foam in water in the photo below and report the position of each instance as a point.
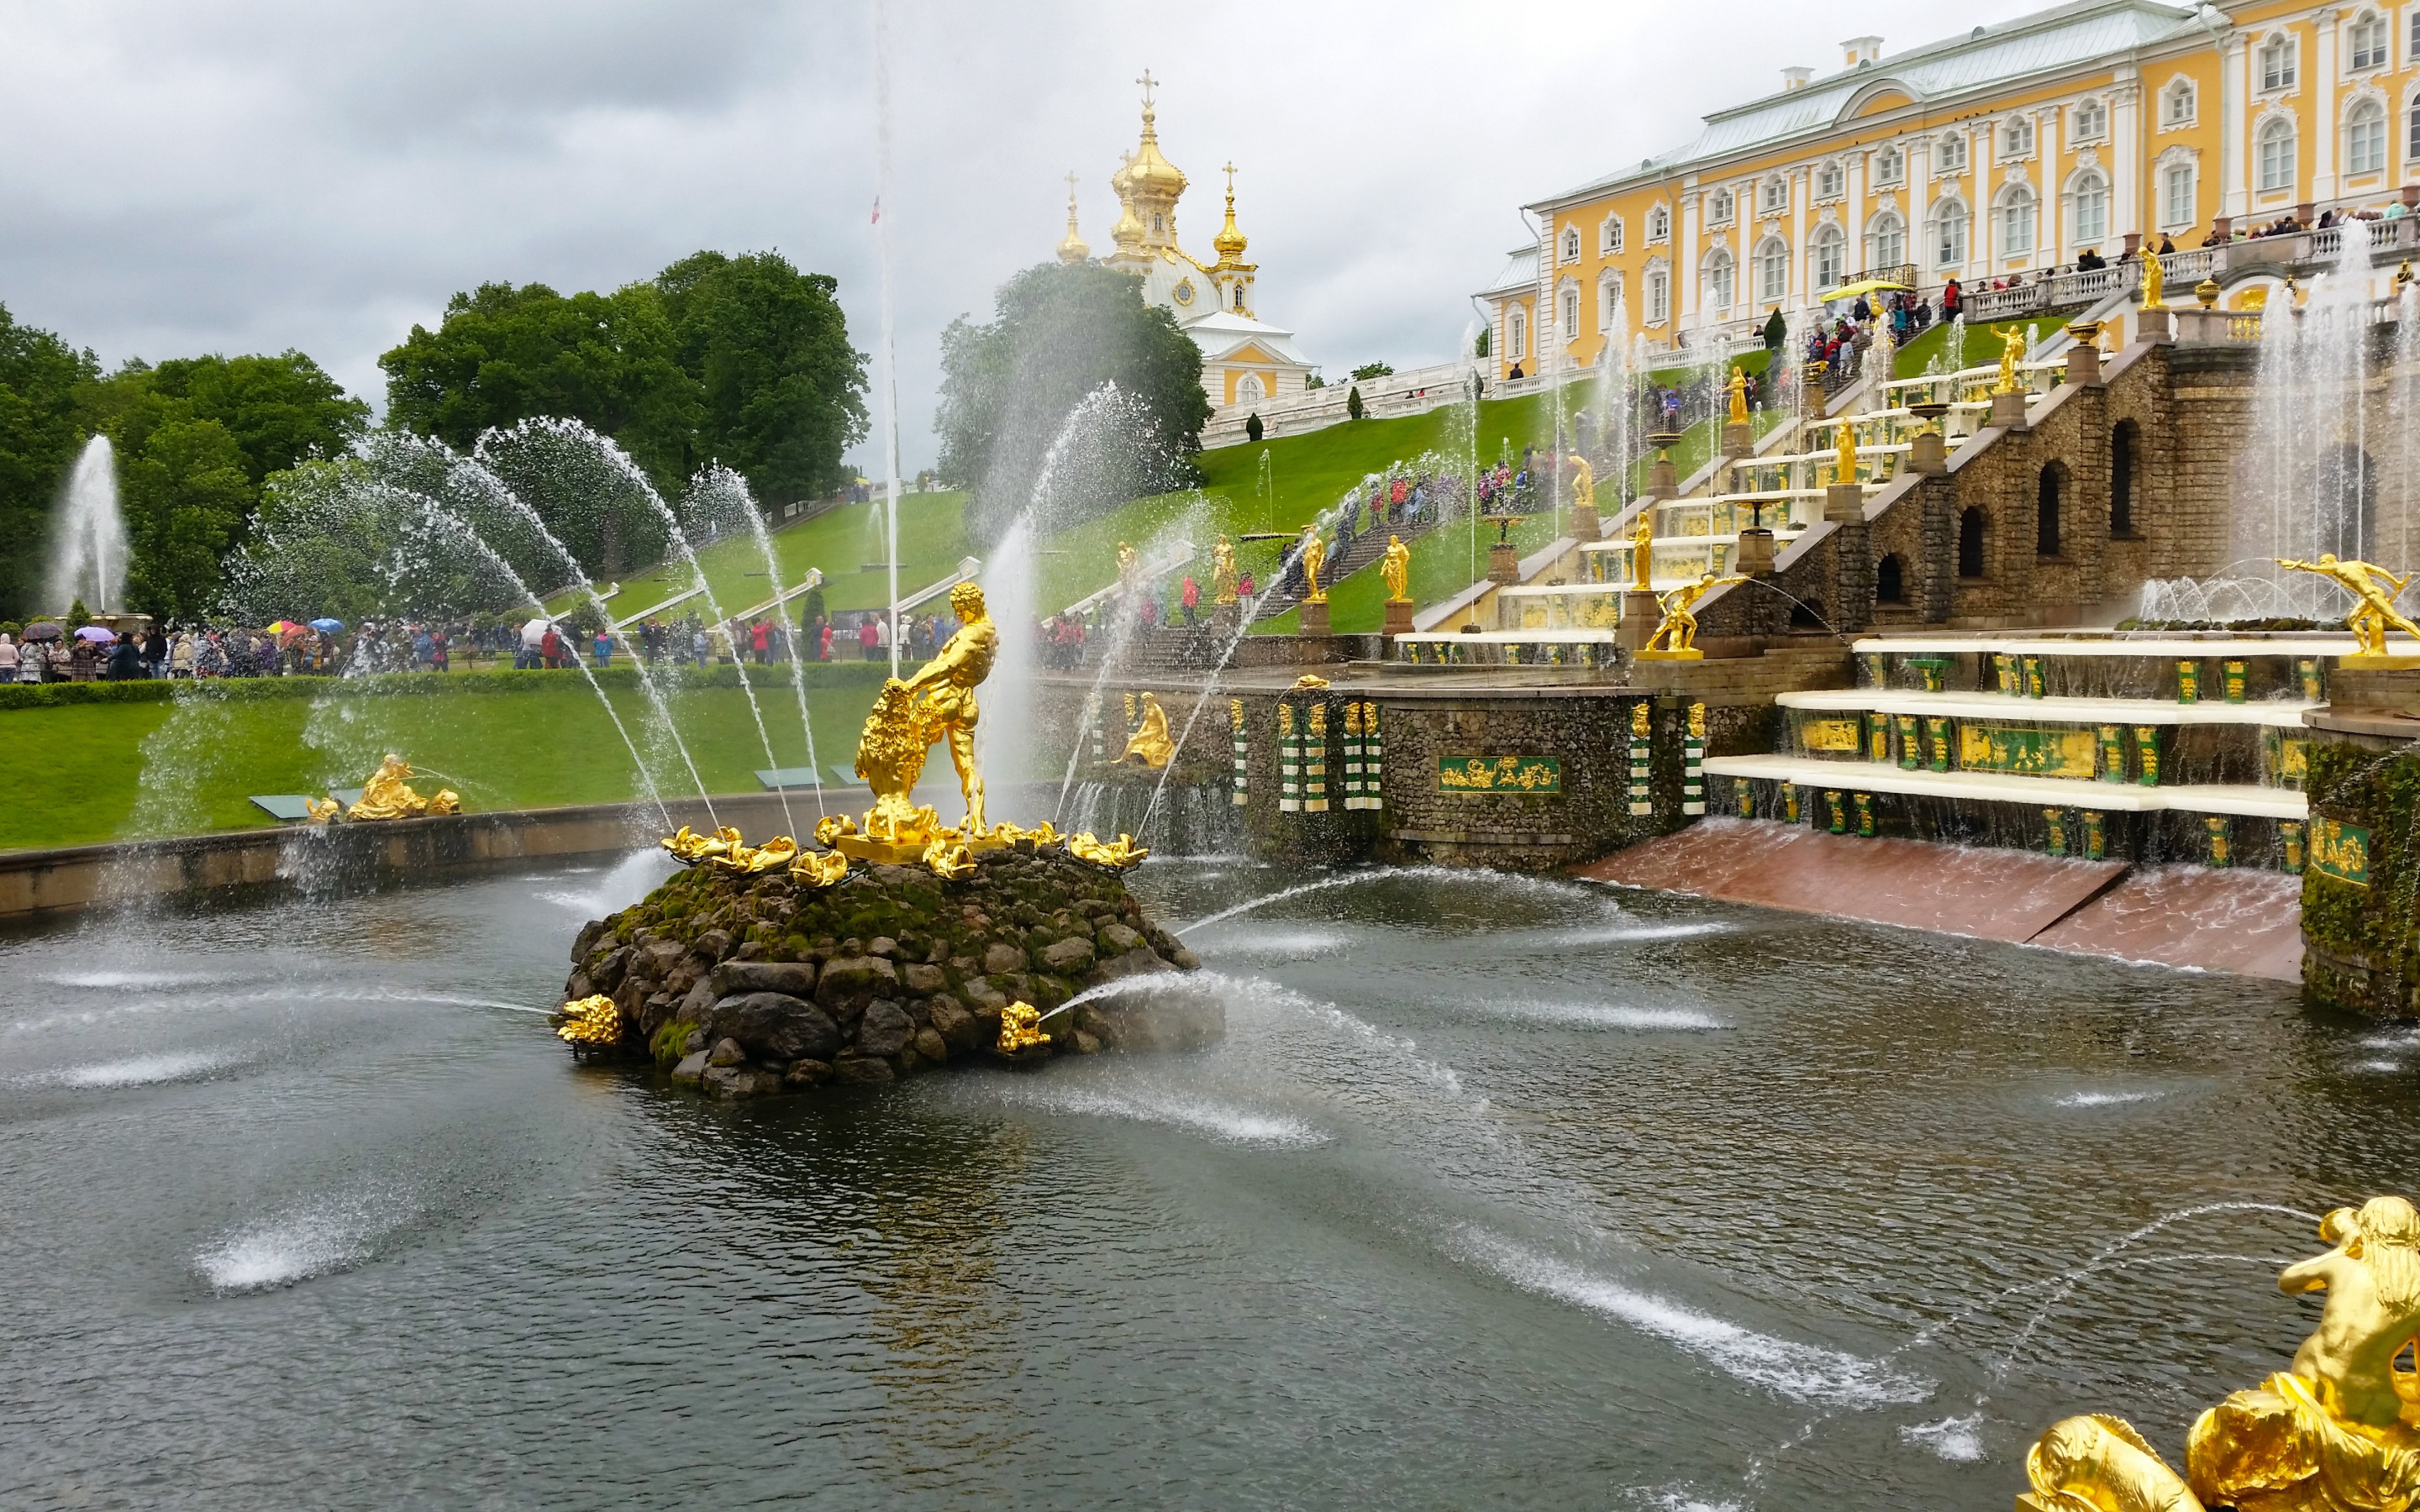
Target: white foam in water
(1958, 1440)
(295, 1246)
(1623, 932)
(1605, 1015)
(107, 979)
(2405, 1039)
(142, 1071)
(2380, 1066)
(632, 878)
(1223, 1123)
(1288, 944)
(1802, 1372)
(2103, 1099)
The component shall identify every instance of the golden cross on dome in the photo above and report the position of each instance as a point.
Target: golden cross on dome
(1146, 80)
(1071, 186)
(1230, 172)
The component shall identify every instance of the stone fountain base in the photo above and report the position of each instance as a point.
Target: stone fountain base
(749, 985)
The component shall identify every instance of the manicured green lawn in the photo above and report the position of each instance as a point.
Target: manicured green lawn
(1983, 344)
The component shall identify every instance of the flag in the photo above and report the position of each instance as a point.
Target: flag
(878, 209)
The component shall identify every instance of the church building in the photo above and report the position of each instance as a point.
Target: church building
(1243, 361)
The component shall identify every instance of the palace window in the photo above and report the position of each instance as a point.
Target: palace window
(2368, 39)
(1830, 180)
(1890, 166)
(2017, 137)
(1718, 280)
(2177, 105)
(1659, 225)
(1889, 241)
(1517, 341)
(2091, 121)
(1571, 315)
(1775, 196)
(2411, 144)
(2275, 156)
(1948, 236)
(2177, 194)
(1570, 244)
(1830, 248)
(2277, 63)
(2092, 208)
(1659, 296)
(1609, 235)
(1719, 207)
(1248, 390)
(2016, 220)
(1773, 270)
(2414, 46)
(2365, 138)
(1608, 304)
(1953, 153)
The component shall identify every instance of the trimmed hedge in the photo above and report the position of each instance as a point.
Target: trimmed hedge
(620, 677)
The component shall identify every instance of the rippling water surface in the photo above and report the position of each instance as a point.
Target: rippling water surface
(1502, 1192)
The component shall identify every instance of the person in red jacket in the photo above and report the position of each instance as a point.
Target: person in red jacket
(1192, 597)
(868, 639)
(549, 649)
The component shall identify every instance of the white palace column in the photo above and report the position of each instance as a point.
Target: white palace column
(1920, 249)
(1801, 256)
(1853, 213)
(2322, 126)
(1685, 260)
(2235, 91)
(1978, 207)
(2126, 215)
(2050, 228)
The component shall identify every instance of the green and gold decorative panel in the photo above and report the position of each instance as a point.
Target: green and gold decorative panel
(2340, 851)
(2024, 750)
(1841, 733)
(1533, 776)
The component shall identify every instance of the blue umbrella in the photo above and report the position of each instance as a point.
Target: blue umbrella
(327, 626)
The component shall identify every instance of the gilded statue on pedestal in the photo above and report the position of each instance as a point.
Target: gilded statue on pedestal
(1583, 483)
(1844, 460)
(1127, 569)
(2012, 345)
(1149, 746)
(1315, 556)
(1223, 577)
(2337, 1431)
(2155, 280)
(1396, 567)
(947, 685)
(1739, 395)
(1676, 634)
(2373, 608)
(1642, 548)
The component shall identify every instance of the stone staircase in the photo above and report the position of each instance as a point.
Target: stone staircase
(1367, 549)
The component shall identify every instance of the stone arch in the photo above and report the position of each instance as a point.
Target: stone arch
(1973, 559)
(2125, 461)
(1891, 580)
(2049, 496)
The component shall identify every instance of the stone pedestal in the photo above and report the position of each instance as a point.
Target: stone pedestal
(1928, 454)
(1314, 619)
(1844, 502)
(1398, 618)
(1739, 438)
(1585, 524)
(1662, 481)
(2155, 325)
(2084, 365)
(1754, 554)
(1640, 614)
(1227, 618)
(2008, 411)
(1503, 563)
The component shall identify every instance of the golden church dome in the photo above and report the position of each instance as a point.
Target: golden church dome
(1072, 249)
(1230, 241)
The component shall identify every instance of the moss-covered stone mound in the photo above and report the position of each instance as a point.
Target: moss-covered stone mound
(748, 985)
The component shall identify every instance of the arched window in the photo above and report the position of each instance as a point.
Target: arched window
(1887, 242)
(1571, 314)
(2365, 137)
(2046, 513)
(1890, 166)
(2016, 217)
(2016, 136)
(1951, 153)
(1717, 285)
(1891, 580)
(1518, 342)
(2177, 105)
(1570, 244)
(1248, 390)
(1775, 196)
(2277, 63)
(1659, 223)
(1831, 181)
(1773, 270)
(1828, 247)
(2121, 479)
(1719, 207)
(2090, 224)
(2368, 43)
(2275, 155)
(1158, 223)
(2091, 121)
(1609, 235)
(1947, 237)
(1970, 542)
(1239, 296)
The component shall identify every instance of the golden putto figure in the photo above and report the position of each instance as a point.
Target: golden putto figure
(1149, 746)
(1315, 556)
(2373, 609)
(2337, 1431)
(1396, 567)
(1223, 577)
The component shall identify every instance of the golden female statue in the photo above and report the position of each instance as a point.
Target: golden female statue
(1583, 483)
(1844, 463)
(1739, 395)
(2155, 279)
(1642, 548)
(1149, 746)
(1127, 569)
(2012, 345)
(2373, 607)
(1223, 575)
(1396, 566)
(1315, 556)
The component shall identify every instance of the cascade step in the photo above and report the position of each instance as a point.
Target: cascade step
(2245, 799)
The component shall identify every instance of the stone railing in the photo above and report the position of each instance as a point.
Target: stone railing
(1411, 393)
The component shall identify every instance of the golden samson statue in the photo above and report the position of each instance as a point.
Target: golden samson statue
(2337, 1431)
(936, 704)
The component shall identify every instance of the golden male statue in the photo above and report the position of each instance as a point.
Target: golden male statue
(1844, 461)
(1583, 483)
(1223, 577)
(2373, 608)
(1314, 557)
(1676, 634)
(947, 685)
(2012, 345)
(1396, 567)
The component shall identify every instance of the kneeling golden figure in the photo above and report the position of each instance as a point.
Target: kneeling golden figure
(1149, 746)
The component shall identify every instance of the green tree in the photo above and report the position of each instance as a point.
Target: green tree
(783, 391)
(1061, 332)
(1353, 402)
(1370, 370)
(41, 427)
(182, 484)
(1484, 345)
(281, 411)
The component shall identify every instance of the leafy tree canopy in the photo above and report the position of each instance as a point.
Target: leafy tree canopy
(785, 394)
(42, 426)
(1060, 333)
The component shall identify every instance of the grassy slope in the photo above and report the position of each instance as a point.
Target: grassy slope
(1982, 346)
(932, 538)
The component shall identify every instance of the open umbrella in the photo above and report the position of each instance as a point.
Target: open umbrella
(40, 630)
(327, 626)
(95, 633)
(1866, 286)
(281, 626)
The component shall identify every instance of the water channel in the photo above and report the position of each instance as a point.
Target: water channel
(1501, 1191)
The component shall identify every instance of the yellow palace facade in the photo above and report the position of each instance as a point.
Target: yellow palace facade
(2005, 152)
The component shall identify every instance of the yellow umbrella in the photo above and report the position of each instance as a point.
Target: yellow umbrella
(1851, 292)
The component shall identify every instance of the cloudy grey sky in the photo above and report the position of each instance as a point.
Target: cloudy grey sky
(252, 174)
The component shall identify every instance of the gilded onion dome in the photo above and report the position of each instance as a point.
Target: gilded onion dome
(1230, 241)
(1072, 250)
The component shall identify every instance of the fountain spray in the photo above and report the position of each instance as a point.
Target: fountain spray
(890, 354)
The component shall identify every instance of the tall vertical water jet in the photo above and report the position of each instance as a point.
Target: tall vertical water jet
(890, 353)
(724, 493)
(88, 558)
